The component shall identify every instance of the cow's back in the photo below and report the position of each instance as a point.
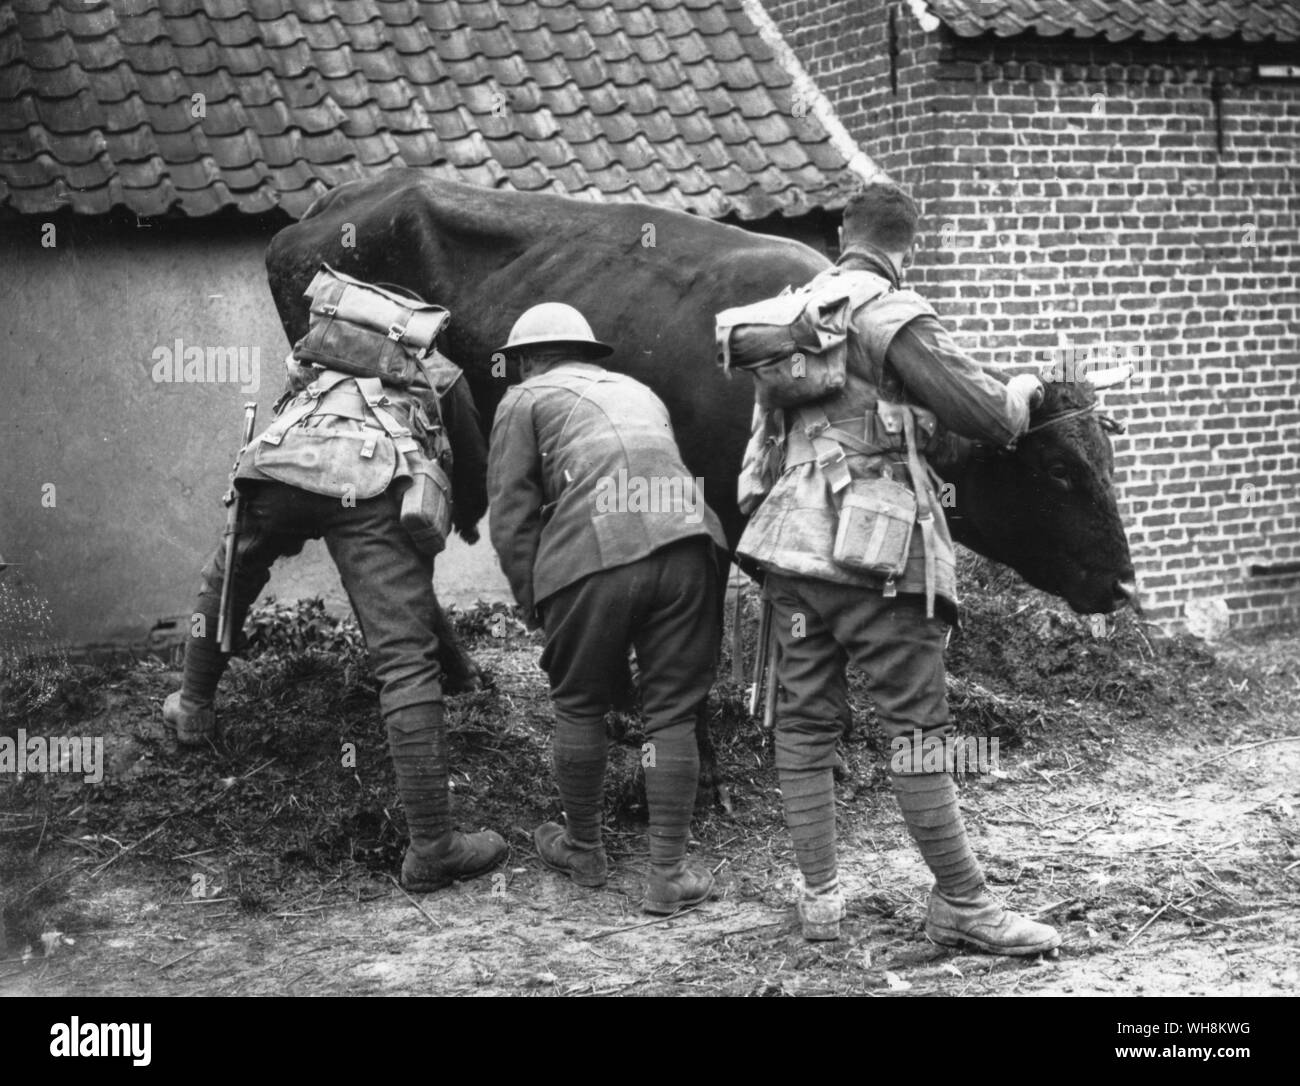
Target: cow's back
(649, 280)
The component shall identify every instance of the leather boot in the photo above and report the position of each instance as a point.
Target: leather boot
(431, 865)
(438, 854)
(195, 725)
(961, 908)
(984, 922)
(675, 887)
(585, 864)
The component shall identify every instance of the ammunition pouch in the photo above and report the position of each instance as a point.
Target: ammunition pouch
(874, 531)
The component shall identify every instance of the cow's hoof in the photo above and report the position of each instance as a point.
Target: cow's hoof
(712, 791)
(464, 682)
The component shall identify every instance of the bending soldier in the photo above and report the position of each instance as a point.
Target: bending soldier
(607, 544)
(389, 581)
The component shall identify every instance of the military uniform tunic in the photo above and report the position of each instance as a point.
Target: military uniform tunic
(607, 541)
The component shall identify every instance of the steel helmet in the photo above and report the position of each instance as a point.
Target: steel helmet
(555, 324)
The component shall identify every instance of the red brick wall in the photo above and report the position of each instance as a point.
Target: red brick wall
(1082, 196)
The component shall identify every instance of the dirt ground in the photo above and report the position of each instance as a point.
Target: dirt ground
(1158, 833)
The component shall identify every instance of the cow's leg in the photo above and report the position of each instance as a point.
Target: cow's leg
(459, 672)
(711, 785)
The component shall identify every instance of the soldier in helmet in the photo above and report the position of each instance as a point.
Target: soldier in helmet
(607, 543)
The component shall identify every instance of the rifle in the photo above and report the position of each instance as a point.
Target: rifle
(769, 693)
(234, 503)
(764, 669)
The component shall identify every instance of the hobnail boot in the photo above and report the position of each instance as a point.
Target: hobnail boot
(585, 866)
(677, 887)
(987, 924)
(431, 865)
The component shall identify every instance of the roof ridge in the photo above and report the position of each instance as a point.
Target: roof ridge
(858, 161)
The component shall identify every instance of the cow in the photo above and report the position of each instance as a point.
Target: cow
(651, 280)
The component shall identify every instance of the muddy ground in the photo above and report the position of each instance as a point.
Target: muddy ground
(1145, 805)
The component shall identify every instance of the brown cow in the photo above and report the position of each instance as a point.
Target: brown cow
(650, 281)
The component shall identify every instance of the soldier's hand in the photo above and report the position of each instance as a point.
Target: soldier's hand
(1028, 387)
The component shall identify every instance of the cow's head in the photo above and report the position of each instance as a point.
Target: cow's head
(1047, 507)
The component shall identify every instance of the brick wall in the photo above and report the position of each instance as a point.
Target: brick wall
(1132, 201)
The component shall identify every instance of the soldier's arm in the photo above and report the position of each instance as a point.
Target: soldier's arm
(966, 398)
(515, 495)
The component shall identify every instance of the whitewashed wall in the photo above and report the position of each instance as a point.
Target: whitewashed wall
(137, 467)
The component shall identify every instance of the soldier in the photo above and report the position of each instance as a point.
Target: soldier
(827, 614)
(607, 543)
(389, 581)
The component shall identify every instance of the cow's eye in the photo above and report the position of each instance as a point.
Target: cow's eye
(1059, 474)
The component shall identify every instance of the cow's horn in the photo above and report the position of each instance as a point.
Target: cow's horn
(1116, 375)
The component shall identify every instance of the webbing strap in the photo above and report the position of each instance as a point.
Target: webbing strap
(346, 402)
(378, 402)
(304, 404)
(813, 422)
(851, 442)
(829, 449)
(372, 389)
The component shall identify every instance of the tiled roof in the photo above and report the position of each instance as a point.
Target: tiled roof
(1121, 20)
(678, 102)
